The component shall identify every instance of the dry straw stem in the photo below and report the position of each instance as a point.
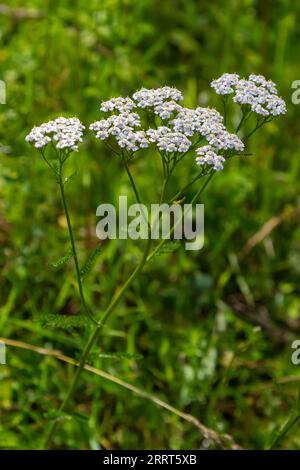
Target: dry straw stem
(225, 441)
(20, 13)
(267, 228)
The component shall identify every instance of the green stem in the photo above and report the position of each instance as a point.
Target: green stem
(182, 191)
(113, 304)
(252, 132)
(258, 125)
(95, 335)
(292, 421)
(137, 196)
(199, 192)
(225, 109)
(135, 190)
(163, 193)
(245, 114)
(74, 251)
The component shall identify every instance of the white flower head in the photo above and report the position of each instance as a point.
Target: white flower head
(133, 141)
(224, 85)
(207, 122)
(115, 124)
(169, 141)
(121, 104)
(65, 133)
(202, 120)
(225, 140)
(166, 109)
(257, 92)
(261, 80)
(207, 156)
(123, 128)
(261, 95)
(186, 122)
(156, 96)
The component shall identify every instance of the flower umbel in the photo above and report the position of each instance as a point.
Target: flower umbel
(168, 140)
(225, 84)
(65, 133)
(257, 92)
(156, 96)
(175, 129)
(121, 104)
(207, 156)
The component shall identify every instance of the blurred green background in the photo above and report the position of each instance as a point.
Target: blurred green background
(214, 328)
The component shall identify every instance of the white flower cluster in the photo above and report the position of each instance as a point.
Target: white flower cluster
(179, 125)
(175, 135)
(156, 96)
(121, 104)
(209, 123)
(168, 140)
(133, 140)
(116, 125)
(122, 127)
(165, 110)
(259, 93)
(207, 156)
(65, 132)
(224, 84)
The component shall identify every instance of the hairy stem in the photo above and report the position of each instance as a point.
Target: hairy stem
(74, 251)
(119, 294)
(95, 335)
(160, 245)
(98, 328)
(182, 191)
(137, 196)
(224, 100)
(163, 193)
(245, 114)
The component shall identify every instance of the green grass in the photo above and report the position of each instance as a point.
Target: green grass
(214, 328)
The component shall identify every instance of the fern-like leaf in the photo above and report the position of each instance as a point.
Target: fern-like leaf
(66, 322)
(90, 262)
(168, 247)
(61, 261)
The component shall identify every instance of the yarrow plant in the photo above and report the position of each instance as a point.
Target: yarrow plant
(156, 122)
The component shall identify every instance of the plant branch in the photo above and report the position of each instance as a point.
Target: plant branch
(95, 335)
(73, 246)
(160, 245)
